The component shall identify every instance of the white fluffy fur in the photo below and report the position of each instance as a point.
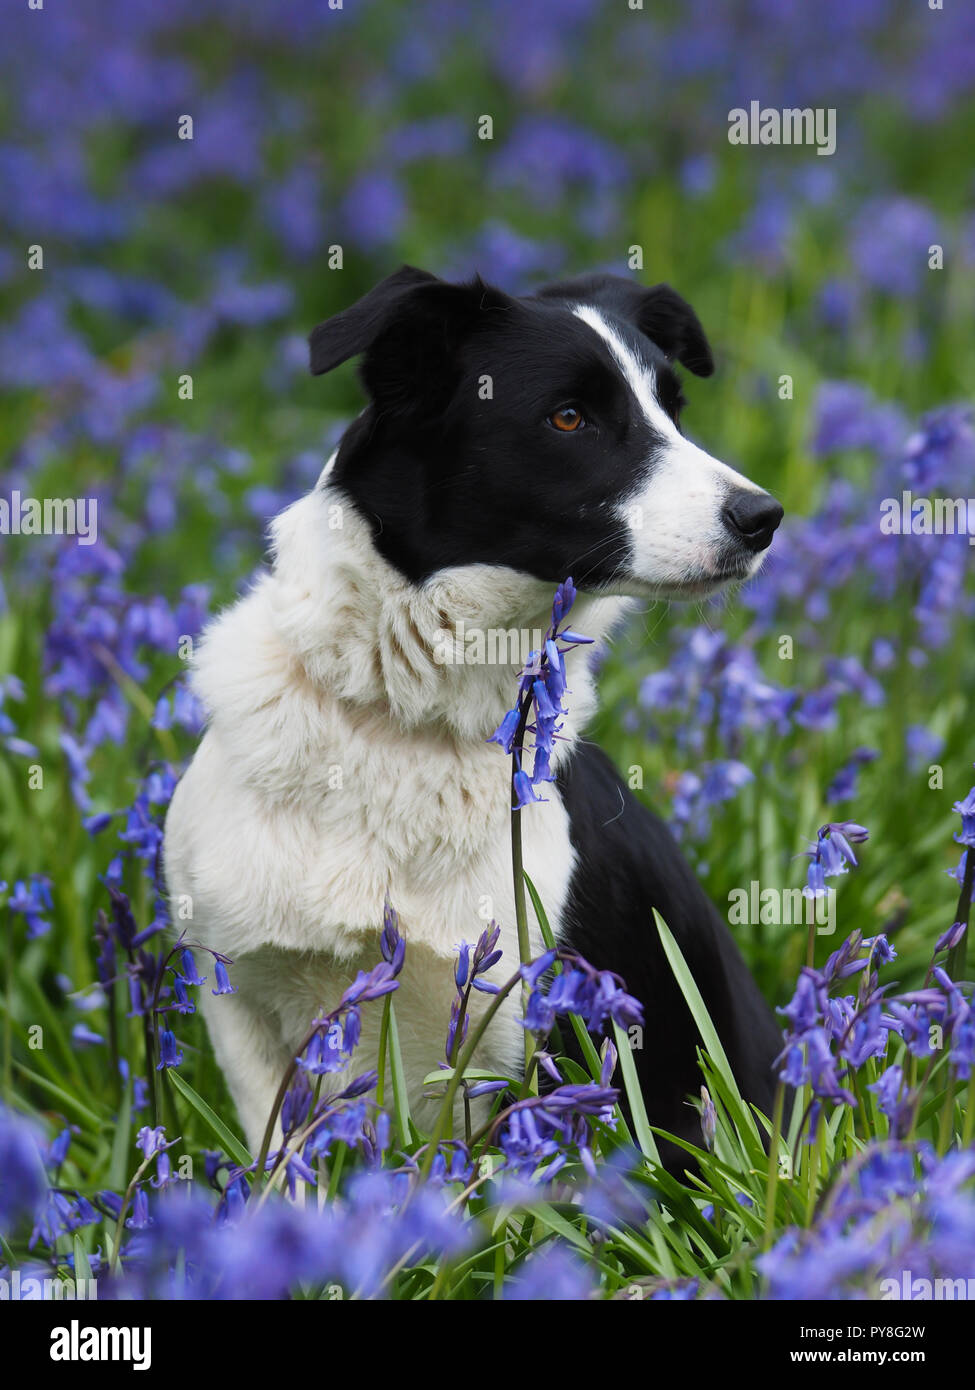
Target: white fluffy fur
(342, 762)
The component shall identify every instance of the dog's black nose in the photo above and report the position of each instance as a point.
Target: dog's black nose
(752, 518)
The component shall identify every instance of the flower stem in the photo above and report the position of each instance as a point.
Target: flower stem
(120, 1224)
(8, 1023)
(966, 1134)
(383, 1045)
(518, 872)
(956, 956)
(464, 1061)
(773, 1164)
(279, 1098)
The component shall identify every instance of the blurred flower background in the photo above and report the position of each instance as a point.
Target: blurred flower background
(330, 145)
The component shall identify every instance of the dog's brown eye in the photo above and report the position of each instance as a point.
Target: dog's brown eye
(567, 419)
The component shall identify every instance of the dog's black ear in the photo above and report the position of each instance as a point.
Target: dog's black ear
(352, 331)
(671, 323)
(659, 312)
(408, 329)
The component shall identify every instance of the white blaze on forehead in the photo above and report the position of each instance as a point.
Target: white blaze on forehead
(641, 380)
(639, 377)
(674, 516)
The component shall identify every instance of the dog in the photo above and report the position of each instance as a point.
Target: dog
(508, 443)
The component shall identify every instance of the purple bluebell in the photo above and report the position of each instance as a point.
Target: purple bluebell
(223, 978)
(391, 943)
(169, 1053)
(30, 901)
(539, 702)
(553, 1274)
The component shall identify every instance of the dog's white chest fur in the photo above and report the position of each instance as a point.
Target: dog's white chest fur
(343, 762)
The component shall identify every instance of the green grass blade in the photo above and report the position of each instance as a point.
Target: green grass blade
(631, 1084)
(66, 1099)
(82, 1269)
(707, 1030)
(401, 1100)
(118, 1165)
(228, 1140)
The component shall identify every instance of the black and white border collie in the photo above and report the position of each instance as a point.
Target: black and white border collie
(508, 442)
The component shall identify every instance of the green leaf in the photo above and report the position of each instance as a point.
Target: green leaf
(53, 1024)
(707, 1030)
(65, 1097)
(118, 1165)
(541, 914)
(228, 1140)
(551, 1218)
(82, 1269)
(631, 1083)
(401, 1101)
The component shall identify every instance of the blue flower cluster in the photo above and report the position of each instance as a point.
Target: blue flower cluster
(831, 1037)
(896, 1216)
(832, 853)
(596, 996)
(538, 708)
(472, 966)
(239, 1244)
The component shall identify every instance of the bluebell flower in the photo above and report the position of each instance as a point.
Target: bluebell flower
(890, 244)
(681, 1291)
(831, 854)
(188, 968)
(391, 943)
(326, 1052)
(552, 1274)
(524, 790)
(83, 1036)
(504, 734)
(540, 693)
(62, 1215)
(808, 1003)
(463, 964)
(140, 1219)
(866, 1036)
(598, 997)
(213, 1162)
(150, 1140)
(373, 209)
(485, 955)
(966, 809)
(537, 1134)
(223, 979)
(709, 1119)
(844, 785)
(950, 938)
(371, 984)
(169, 1053)
(892, 1100)
(458, 1021)
(940, 453)
(30, 901)
(484, 1088)
(57, 1150)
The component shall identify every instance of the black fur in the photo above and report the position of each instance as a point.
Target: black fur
(433, 464)
(450, 475)
(629, 863)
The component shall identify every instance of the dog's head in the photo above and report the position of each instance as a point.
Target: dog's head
(539, 433)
